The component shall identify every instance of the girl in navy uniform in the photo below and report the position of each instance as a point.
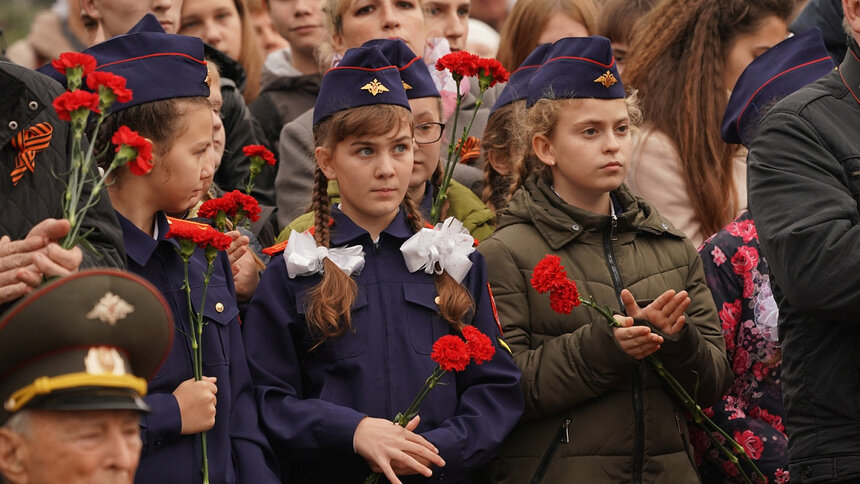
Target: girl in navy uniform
(340, 331)
(168, 76)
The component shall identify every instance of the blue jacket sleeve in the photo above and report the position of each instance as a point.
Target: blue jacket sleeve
(162, 425)
(491, 401)
(273, 337)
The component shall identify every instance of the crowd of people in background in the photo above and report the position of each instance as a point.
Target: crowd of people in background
(688, 164)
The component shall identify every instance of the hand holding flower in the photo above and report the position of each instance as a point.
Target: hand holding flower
(392, 449)
(196, 400)
(636, 341)
(666, 312)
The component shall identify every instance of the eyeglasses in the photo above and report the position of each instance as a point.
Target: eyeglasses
(426, 133)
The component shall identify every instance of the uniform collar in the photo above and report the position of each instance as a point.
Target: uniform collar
(344, 230)
(849, 70)
(139, 246)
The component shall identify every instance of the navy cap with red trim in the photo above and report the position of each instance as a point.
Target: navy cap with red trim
(363, 77)
(156, 65)
(577, 67)
(517, 87)
(413, 71)
(779, 71)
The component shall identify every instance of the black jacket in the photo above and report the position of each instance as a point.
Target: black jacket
(25, 100)
(804, 190)
(282, 101)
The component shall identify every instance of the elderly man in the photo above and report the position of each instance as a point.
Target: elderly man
(804, 189)
(75, 355)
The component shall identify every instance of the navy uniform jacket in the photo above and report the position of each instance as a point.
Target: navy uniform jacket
(311, 402)
(238, 450)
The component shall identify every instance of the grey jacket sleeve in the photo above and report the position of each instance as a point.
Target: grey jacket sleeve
(295, 178)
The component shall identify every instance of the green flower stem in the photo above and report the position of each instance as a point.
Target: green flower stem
(436, 209)
(689, 402)
(79, 176)
(402, 419)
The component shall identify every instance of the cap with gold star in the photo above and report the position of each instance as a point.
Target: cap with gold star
(577, 67)
(414, 73)
(88, 341)
(363, 77)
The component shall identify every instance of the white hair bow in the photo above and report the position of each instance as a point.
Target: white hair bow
(445, 247)
(303, 257)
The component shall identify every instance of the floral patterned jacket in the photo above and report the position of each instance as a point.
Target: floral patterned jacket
(751, 410)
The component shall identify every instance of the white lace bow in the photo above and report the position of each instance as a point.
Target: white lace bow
(445, 247)
(304, 258)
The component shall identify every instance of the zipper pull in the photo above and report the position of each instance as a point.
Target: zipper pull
(565, 427)
(613, 224)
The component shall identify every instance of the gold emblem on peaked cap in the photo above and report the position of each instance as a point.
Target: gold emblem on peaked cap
(208, 80)
(374, 87)
(110, 309)
(607, 80)
(406, 87)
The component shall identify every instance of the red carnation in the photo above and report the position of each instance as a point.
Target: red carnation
(548, 274)
(246, 203)
(451, 353)
(490, 71)
(261, 152)
(210, 208)
(69, 60)
(460, 63)
(564, 297)
(68, 102)
(480, 347)
(141, 163)
(202, 235)
(110, 81)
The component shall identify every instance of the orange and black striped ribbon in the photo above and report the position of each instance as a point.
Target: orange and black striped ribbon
(470, 150)
(28, 142)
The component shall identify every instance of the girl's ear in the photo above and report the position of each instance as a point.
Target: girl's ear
(498, 162)
(542, 147)
(323, 156)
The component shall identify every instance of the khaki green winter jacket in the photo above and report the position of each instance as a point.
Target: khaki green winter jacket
(624, 426)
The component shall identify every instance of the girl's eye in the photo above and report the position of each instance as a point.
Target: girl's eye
(431, 11)
(589, 132)
(401, 148)
(365, 10)
(463, 12)
(622, 129)
(406, 5)
(189, 25)
(365, 151)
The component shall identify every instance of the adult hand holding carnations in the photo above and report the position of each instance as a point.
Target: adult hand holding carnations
(196, 400)
(391, 449)
(24, 263)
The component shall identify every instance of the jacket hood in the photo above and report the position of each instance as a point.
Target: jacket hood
(558, 223)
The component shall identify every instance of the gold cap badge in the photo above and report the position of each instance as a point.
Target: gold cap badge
(406, 87)
(374, 87)
(607, 80)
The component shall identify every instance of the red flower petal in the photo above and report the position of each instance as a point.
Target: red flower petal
(260, 151)
(451, 353)
(142, 164)
(110, 81)
(74, 59)
(480, 347)
(548, 274)
(70, 101)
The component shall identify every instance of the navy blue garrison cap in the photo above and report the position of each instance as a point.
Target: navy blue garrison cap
(781, 70)
(517, 87)
(577, 67)
(363, 77)
(413, 71)
(155, 65)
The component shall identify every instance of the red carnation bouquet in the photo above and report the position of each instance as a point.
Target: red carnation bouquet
(549, 276)
(230, 210)
(489, 72)
(190, 236)
(451, 353)
(260, 156)
(76, 105)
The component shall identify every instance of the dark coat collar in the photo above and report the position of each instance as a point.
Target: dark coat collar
(344, 230)
(139, 246)
(850, 69)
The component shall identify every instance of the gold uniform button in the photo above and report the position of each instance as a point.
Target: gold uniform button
(219, 307)
(436, 300)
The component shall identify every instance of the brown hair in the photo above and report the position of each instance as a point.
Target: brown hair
(160, 121)
(251, 56)
(503, 136)
(542, 118)
(618, 18)
(678, 65)
(329, 302)
(526, 22)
